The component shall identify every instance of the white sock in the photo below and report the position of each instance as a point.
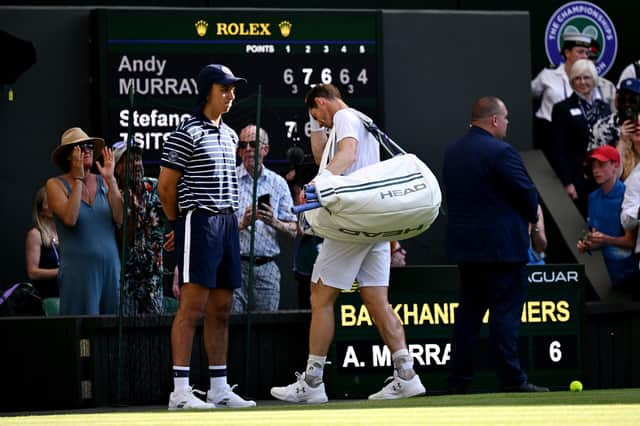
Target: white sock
(180, 378)
(315, 369)
(218, 374)
(403, 364)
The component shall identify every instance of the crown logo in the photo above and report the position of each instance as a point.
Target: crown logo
(201, 28)
(285, 28)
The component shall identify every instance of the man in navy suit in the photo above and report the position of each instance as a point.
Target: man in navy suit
(491, 200)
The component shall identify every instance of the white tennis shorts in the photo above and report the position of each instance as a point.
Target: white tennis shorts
(339, 263)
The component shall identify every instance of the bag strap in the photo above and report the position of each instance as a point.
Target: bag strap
(8, 293)
(636, 67)
(381, 137)
(329, 150)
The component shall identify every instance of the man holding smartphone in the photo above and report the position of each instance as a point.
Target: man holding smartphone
(273, 215)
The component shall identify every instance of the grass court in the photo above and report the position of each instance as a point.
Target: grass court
(597, 407)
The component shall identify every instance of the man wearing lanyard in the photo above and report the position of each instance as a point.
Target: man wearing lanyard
(198, 189)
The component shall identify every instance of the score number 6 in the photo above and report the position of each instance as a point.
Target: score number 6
(287, 77)
(555, 352)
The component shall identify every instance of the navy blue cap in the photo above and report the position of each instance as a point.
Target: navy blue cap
(630, 84)
(211, 74)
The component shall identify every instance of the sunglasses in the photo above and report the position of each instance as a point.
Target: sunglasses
(243, 144)
(87, 146)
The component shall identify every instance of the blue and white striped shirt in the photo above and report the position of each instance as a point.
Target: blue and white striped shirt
(206, 156)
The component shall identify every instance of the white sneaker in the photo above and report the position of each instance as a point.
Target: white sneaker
(399, 388)
(301, 392)
(228, 399)
(186, 400)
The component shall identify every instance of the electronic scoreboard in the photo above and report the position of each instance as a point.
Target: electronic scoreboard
(425, 298)
(158, 54)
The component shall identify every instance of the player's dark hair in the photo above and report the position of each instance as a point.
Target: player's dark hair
(327, 91)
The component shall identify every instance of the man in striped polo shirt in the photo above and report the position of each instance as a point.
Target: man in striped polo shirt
(198, 189)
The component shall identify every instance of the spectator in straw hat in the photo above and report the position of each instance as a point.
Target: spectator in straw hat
(86, 207)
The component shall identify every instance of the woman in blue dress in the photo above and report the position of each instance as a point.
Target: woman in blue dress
(87, 207)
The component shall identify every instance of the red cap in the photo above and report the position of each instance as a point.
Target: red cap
(606, 153)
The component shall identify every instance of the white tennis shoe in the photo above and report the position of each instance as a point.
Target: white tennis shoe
(398, 388)
(186, 400)
(300, 392)
(229, 399)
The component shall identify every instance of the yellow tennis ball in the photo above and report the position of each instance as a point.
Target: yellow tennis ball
(575, 386)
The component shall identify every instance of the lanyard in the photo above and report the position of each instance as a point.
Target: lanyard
(584, 113)
(55, 251)
(564, 89)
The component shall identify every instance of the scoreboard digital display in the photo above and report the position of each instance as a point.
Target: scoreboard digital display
(425, 298)
(158, 53)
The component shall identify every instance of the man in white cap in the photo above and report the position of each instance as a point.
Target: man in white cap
(553, 85)
(273, 217)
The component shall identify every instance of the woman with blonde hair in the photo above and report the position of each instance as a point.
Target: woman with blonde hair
(41, 248)
(629, 148)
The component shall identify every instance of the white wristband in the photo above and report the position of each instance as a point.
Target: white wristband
(314, 125)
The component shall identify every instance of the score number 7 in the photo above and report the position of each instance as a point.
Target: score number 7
(325, 75)
(288, 78)
(291, 127)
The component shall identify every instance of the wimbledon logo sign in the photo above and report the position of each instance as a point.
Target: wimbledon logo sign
(581, 17)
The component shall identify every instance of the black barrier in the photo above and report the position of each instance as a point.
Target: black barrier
(425, 299)
(44, 364)
(70, 362)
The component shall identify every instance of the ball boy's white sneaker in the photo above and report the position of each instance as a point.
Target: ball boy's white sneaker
(229, 399)
(186, 400)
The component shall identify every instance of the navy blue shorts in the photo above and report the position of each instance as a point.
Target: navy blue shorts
(208, 250)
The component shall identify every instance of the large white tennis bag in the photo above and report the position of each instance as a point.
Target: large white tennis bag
(394, 199)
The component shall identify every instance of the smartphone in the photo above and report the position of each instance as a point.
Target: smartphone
(585, 236)
(264, 199)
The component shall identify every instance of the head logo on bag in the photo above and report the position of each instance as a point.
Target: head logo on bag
(403, 192)
(395, 199)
